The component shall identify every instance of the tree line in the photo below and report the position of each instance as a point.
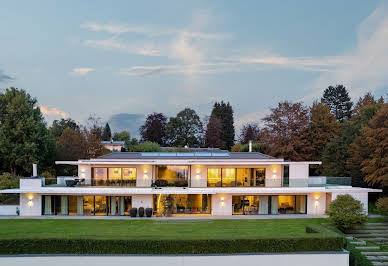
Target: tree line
(350, 141)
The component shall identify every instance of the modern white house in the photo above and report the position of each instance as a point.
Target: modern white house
(114, 146)
(209, 182)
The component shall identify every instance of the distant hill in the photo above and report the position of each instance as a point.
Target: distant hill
(129, 122)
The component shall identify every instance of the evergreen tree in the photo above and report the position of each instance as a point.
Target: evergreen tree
(376, 134)
(185, 129)
(213, 133)
(224, 112)
(106, 134)
(288, 127)
(154, 128)
(337, 98)
(323, 127)
(24, 138)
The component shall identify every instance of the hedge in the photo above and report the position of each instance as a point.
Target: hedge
(320, 239)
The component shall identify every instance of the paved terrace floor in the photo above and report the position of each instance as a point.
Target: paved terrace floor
(177, 217)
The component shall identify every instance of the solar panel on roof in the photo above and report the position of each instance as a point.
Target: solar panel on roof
(185, 154)
(203, 154)
(149, 154)
(220, 154)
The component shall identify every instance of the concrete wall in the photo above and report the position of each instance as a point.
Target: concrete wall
(361, 196)
(144, 175)
(144, 201)
(282, 259)
(30, 204)
(30, 182)
(8, 209)
(316, 203)
(299, 174)
(85, 171)
(198, 176)
(221, 204)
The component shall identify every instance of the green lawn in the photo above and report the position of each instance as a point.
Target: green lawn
(154, 229)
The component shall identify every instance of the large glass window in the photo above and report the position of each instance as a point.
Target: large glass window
(72, 200)
(88, 203)
(228, 177)
(214, 177)
(243, 177)
(100, 205)
(286, 204)
(114, 176)
(171, 175)
(247, 205)
(182, 204)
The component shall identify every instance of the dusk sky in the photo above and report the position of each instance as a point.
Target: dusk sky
(138, 57)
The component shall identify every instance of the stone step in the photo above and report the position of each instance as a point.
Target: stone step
(370, 235)
(374, 239)
(358, 243)
(377, 258)
(378, 263)
(368, 248)
(377, 224)
(349, 237)
(364, 231)
(374, 253)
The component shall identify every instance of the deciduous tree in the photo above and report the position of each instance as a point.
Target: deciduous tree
(58, 126)
(154, 128)
(250, 131)
(288, 126)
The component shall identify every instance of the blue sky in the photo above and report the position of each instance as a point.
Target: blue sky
(137, 57)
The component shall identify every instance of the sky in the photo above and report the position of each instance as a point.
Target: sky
(111, 58)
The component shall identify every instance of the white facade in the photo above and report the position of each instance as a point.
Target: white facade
(258, 187)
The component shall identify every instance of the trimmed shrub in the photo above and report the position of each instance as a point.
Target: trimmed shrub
(148, 212)
(382, 205)
(141, 212)
(133, 212)
(345, 212)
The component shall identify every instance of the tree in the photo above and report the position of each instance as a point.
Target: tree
(71, 145)
(250, 131)
(106, 134)
(184, 129)
(146, 146)
(322, 128)
(368, 99)
(24, 138)
(375, 167)
(59, 126)
(224, 112)
(288, 127)
(213, 133)
(154, 128)
(337, 98)
(256, 147)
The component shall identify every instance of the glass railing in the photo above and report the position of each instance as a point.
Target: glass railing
(171, 182)
(71, 181)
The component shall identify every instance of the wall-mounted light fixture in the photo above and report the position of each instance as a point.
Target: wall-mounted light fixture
(222, 201)
(30, 203)
(198, 174)
(145, 173)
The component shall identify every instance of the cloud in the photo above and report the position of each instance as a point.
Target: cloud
(82, 71)
(131, 48)
(4, 77)
(365, 67)
(47, 111)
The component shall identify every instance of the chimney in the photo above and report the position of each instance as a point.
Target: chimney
(250, 146)
(34, 169)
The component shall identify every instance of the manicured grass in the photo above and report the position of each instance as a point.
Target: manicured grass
(154, 229)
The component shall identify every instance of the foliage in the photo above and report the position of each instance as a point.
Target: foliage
(322, 128)
(106, 134)
(24, 138)
(375, 167)
(224, 112)
(249, 131)
(382, 205)
(337, 98)
(154, 128)
(145, 147)
(59, 126)
(256, 147)
(289, 131)
(8, 181)
(184, 129)
(367, 99)
(345, 212)
(71, 145)
(213, 133)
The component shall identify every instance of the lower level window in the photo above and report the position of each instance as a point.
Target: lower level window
(86, 205)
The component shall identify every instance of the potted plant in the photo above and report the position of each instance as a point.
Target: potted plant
(141, 212)
(148, 212)
(133, 212)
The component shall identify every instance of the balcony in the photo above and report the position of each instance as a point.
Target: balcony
(73, 181)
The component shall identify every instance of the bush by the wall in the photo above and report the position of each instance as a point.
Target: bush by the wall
(382, 205)
(345, 212)
(148, 212)
(141, 212)
(133, 212)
